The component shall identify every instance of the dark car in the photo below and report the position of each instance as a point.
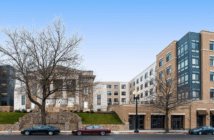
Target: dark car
(41, 129)
(202, 130)
(92, 130)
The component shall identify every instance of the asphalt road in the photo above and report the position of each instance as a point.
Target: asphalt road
(110, 137)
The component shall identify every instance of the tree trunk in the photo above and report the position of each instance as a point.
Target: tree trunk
(167, 121)
(43, 115)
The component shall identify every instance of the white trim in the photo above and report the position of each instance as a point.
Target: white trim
(177, 113)
(137, 113)
(201, 109)
(157, 114)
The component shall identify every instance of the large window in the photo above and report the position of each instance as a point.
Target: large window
(108, 100)
(151, 82)
(183, 64)
(115, 92)
(157, 121)
(141, 86)
(130, 85)
(23, 99)
(161, 74)
(98, 99)
(195, 94)
(4, 88)
(146, 84)
(146, 93)
(115, 99)
(85, 90)
(211, 60)
(151, 72)
(169, 70)
(108, 86)
(211, 76)
(141, 95)
(195, 46)
(130, 92)
(161, 62)
(169, 82)
(195, 61)
(109, 93)
(123, 93)
(168, 57)
(151, 91)
(32, 90)
(137, 81)
(183, 79)
(123, 86)
(182, 50)
(212, 45)
(3, 103)
(115, 86)
(195, 77)
(141, 78)
(123, 100)
(211, 93)
(146, 75)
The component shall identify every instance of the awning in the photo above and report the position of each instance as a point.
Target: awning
(212, 112)
(202, 112)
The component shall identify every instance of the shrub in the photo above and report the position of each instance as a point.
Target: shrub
(31, 111)
(18, 111)
(24, 111)
(75, 111)
(92, 111)
(81, 111)
(87, 111)
(71, 110)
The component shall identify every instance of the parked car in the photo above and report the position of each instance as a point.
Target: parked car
(41, 129)
(202, 130)
(92, 130)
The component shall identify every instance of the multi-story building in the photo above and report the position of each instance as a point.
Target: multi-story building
(7, 88)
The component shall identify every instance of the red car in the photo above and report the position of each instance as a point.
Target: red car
(92, 130)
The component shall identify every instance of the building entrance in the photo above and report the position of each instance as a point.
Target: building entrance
(177, 122)
(200, 120)
(132, 119)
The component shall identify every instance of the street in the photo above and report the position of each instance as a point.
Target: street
(109, 137)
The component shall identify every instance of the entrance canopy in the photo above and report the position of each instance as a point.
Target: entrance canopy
(202, 112)
(212, 112)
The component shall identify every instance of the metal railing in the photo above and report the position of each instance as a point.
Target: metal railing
(131, 102)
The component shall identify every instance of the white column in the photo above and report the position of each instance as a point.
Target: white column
(64, 95)
(77, 93)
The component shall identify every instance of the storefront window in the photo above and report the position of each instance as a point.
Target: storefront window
(157, 121)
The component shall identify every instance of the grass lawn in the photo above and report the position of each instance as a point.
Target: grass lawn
(10, 117)
(96, 118)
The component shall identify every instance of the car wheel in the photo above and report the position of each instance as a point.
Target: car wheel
(213, 132)
(50, 133)
(102, 133)
(27, 133)
(199, 133)
(79, 133)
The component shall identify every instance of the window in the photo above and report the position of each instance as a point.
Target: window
(211, 60)
(32, 90)
(151, 72)
(109, 86)
(146, 75)
(141, 95)
(90, 127)
(151, 82)
(195, 46)
(108, 93)
(133, 83)
(137, 88)
(183, 79)
(182, 50)
(115, 99)
(187, 94)
(141, 78)
(23, 99)
(169, 83)
(130, 92)
(211, 76)
(195, 77)
(98, 99)
(211, 93)
(4, 95)
(85, 90)
(115, 86)
(71, 85)
(123, 93)
(124, 100)
(97, 127)
(212, 45)
(4, 73)
(155, 68)
(161, 74)
(141, 86)
(179, 96)
(146, 84)
(115, 92)
(130, 85)
(146, 93)
(168, 57)
(161, 62)
(4, 88)
(151, 91)
(4, 103)
(183, 64)
(58, 85)
(195, 61)
(169, 70)
(108, 100)
(195, 94)
(123, 86)
(137, 81)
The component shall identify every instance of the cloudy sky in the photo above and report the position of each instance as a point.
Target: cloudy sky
(121, 37)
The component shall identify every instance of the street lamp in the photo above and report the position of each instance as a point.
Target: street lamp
(136, 97)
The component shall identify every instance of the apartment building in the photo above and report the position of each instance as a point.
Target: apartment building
(6, 88)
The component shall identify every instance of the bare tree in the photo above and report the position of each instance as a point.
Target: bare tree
(168, 96)
(47, 60)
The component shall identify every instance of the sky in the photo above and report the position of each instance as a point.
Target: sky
(121, 37)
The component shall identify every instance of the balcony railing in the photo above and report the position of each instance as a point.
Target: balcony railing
(131, 102)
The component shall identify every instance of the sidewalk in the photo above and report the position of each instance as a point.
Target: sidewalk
(119, 132)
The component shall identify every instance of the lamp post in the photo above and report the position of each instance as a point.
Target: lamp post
(136, 97)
